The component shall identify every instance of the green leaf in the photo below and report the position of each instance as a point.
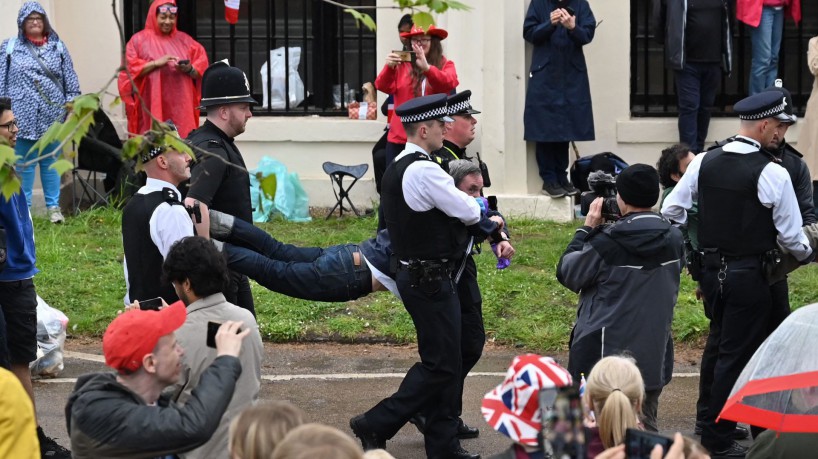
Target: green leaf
(175, 143)
(47, 139)
(7, 154)
(68, 128)
(455, 5)
(131, 147)
(268, 185)
(438, 6)
(117, 100)
(10, 180)
(423, 19)
(362, 18)
(62, 166)
(85, 103)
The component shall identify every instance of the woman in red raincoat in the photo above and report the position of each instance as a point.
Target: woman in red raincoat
(166, 65)
(429, 73)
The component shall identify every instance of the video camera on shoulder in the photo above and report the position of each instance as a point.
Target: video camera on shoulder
(602, 185)
(562, 435)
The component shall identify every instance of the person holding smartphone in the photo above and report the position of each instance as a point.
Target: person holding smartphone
(558, 100)
(166, 66)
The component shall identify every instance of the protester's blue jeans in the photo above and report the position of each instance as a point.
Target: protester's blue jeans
(48, 176)
(696, 86)
(309, 273)
(766, 42)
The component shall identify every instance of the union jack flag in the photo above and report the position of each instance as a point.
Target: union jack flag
(512, 408)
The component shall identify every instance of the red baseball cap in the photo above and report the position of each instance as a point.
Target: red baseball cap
(134, 334)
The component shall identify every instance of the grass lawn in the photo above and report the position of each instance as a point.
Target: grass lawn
(524, 305)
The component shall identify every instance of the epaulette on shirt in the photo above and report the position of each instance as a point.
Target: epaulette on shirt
(170, 196)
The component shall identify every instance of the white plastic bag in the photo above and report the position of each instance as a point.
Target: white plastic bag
(278, 64)
(51, 327)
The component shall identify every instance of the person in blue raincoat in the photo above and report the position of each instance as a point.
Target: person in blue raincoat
(558, 100)
(37, 74)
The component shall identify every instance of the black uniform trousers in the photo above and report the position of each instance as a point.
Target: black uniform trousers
(471, 319)
(435, 381)
(781, 309)
(238, 292)
(742, 307)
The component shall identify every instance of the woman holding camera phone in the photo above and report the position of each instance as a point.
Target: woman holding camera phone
(426, 72)
(166, 66)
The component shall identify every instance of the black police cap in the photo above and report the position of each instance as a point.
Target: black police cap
(223, 84)
(460, 104)
(765, 104)
(424, 109)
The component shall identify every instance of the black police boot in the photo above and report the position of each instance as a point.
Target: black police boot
(734, 450)
(464, 431)
(369, 439)
(461, 453)
(739, 433)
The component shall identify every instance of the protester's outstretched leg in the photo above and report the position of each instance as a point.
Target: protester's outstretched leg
(241, 233)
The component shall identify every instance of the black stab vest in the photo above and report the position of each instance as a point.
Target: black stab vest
(731, 218)
(429, 235)
(141, 254)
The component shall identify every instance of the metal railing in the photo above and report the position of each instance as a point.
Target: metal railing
(652, 84)
(336, 56)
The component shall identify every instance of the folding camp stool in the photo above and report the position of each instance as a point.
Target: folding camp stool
(336, 174)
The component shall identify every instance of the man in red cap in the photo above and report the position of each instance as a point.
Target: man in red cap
(121, 414)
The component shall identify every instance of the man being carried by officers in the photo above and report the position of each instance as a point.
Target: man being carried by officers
(746, 205)
(431, 224)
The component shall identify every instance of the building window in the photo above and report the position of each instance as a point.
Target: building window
(652, 88)
(334, 56)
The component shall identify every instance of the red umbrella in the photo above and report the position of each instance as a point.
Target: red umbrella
(778, 389)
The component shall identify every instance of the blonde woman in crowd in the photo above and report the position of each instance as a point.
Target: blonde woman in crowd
(614, 392)
(255, 433)
(317, 441)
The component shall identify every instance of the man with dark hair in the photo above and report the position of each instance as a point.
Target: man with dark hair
(125, 414)
(430, 223)
(747, 207)
(18, 298)
(154, 219)
(627, 276)
(198, 272)
(219, 178)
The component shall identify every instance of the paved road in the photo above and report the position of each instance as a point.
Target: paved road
(333, 382)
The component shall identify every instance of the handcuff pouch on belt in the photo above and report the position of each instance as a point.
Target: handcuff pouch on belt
(769, 262)
(693, 259)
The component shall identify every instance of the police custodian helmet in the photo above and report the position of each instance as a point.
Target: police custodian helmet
(223, 84)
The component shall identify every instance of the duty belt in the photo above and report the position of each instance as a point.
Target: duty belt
(427, 271)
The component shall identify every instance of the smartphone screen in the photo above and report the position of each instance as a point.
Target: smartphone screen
(151, 305)
(563, 434)
(184, 62)
(639, 444)
(212, 328)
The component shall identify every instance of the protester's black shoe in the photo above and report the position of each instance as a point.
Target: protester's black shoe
(419, 421)
(369, 439)
(50, 449)
(739, 433)
(461, 453)
(570, 190)
(735, 450)
(553, 190)
(465, 432)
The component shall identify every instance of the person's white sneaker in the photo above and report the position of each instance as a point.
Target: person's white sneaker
(55, 215)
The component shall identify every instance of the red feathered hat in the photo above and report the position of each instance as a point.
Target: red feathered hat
(433, 31)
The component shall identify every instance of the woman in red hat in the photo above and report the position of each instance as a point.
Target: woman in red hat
(428, 73)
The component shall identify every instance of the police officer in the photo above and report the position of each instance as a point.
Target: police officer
(746, 203)
(219, 179)
(786, 155)
(430, 223)
(459, 134)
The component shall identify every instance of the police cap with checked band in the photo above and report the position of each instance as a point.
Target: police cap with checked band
(460, 104)
(767, 104)
(425, 108)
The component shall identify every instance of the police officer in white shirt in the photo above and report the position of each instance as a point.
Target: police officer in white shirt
(746, 204)
(154, 219)
(431, 224)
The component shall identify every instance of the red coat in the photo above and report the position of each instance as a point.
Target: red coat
(749, 11)
(398, 82)
(169, 94)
